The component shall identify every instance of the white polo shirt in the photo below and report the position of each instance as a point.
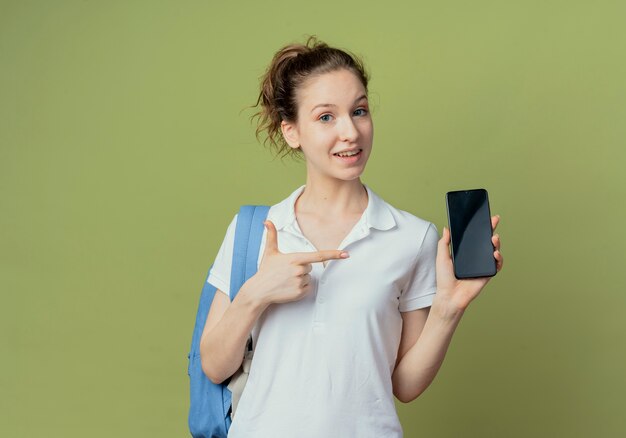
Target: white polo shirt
(322, 366)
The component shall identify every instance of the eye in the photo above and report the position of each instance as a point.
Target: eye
(360, 112)
(325, 117)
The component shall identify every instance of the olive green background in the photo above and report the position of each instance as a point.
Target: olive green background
(126, 148)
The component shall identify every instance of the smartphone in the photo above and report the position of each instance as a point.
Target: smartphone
(469, 221)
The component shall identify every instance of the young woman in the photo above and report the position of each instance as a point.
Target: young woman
(354, 301)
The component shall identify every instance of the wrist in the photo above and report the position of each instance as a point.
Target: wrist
(252, 298)
(446, 311)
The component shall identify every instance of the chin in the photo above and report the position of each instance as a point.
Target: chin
(351, 176)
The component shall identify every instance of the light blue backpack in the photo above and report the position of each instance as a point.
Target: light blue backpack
(210, 404)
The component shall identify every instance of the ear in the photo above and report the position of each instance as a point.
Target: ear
(290, 134)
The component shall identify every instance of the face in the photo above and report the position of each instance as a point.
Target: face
(333, 117)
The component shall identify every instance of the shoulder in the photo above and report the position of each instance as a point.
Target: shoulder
(422, 232)
(413, 234)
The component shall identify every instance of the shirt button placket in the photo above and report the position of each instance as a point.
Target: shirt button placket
(320, 291)
(318, 321)
(318, 324)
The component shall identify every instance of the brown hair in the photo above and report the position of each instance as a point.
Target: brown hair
(290, 67)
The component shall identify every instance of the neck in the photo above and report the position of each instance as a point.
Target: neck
(332, 198)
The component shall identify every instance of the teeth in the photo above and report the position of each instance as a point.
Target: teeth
(348, 154)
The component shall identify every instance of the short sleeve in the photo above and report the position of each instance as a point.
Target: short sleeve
(422, 285)
(219, 275)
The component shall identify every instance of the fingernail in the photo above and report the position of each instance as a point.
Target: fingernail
(344, 255)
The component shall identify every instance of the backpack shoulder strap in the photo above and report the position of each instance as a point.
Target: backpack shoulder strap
(248, 235)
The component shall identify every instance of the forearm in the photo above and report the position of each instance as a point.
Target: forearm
(419, 366)
(223, 346)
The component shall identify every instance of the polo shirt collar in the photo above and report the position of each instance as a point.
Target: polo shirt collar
(376, 215)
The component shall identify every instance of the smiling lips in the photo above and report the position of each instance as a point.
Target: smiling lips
(349, 157)
(349, 153)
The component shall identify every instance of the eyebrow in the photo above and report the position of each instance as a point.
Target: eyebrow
(324, 105)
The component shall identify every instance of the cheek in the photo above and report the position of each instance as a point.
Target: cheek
(367, 130)
(320, 136)
(317, 140)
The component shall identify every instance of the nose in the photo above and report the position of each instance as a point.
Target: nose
(347, 130)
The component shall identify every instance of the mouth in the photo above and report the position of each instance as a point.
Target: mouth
(349, 157)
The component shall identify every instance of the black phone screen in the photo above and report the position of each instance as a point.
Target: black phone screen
(469, 219)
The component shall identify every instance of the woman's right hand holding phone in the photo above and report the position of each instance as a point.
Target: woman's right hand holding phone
(284, 277)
